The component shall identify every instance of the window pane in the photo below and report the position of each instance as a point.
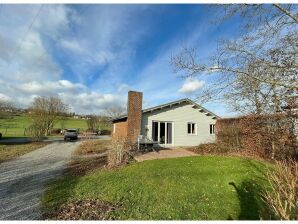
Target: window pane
(189, 128)
(193, 131)
(169, 133)
(212, 127)
(155, 131)
(162, 132)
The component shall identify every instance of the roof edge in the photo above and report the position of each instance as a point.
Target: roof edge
(169, 104)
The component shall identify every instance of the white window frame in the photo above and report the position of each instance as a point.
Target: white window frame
(158, 131)
(213, 129)
(196, 128)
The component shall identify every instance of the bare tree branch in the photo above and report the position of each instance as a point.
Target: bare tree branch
(278, 6)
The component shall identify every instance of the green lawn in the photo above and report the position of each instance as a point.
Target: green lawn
(190, 188)
(15, 125)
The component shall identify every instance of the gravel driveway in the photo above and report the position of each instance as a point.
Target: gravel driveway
(23, 180)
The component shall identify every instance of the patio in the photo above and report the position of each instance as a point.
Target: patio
(164, 153)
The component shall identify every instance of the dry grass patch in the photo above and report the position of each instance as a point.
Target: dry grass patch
(92, 146)
(87, 157)
(87, 209)
(8, 152)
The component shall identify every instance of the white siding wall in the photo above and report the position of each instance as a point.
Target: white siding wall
(180, 115)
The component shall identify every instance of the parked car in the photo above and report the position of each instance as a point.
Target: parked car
(71, 134)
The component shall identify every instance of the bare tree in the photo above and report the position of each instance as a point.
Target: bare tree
(258, 69)
(6, 108)
(6, 105)
(93, 122)
(63, 121)
(114, 112)
(45, 112)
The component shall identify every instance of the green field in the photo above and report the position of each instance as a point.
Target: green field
(15, 126)
(192, 188)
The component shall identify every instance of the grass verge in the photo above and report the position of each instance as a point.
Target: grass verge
(190, 188)
(8, 152)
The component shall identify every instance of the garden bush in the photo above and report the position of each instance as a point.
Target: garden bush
(120, 152)
(210, 148)
(269, 137)
(283, 196)
(56, 131)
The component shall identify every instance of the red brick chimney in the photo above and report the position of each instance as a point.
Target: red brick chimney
(134, 116)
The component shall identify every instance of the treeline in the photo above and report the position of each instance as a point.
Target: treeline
(46, 112)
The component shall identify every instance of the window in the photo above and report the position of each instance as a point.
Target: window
(191, 128)
(212, 129)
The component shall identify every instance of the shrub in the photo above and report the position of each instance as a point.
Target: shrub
(283, 196)
(218, 149)
(267, 137)
(36, 130)
(210, 148)
(56, 131)
(91, 146)
(120, 152)
(105, 132)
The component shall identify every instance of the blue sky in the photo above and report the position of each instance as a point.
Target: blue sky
(91, 55)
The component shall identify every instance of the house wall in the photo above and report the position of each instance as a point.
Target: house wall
(180, 115)
(119, 129)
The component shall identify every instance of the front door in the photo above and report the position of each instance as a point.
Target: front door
(162, 132)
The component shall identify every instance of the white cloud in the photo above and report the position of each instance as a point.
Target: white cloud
(92, 102)
(4, 97)
(28, 69)
(23, 54)
(191, 86)
(78, 96)
(72, 45)
(123, 88)
(50, 87)
(55, 20)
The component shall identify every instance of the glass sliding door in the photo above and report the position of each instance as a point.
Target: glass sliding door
(162, 132)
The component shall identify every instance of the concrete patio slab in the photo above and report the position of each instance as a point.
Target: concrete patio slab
(164, 154)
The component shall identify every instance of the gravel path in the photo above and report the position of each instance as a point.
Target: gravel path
(23, 180)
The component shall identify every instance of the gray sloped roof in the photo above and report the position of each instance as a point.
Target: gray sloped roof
(177, 102)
